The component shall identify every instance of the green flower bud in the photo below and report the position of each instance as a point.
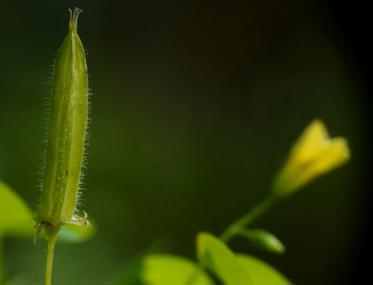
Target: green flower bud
(66, 134)
(263, 240)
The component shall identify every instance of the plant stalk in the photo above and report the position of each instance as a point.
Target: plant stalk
(2, 270)
(247, 219)
(52, 238)
(236, 226)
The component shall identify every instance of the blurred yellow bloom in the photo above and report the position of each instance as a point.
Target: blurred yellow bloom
(314, 154)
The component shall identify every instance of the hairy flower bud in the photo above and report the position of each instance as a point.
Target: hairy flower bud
(66, 133)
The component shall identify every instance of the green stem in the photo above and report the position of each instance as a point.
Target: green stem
(2, 270)
(52, 238)
(235, 228)
(247, 219)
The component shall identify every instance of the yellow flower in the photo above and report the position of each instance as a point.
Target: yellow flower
(314, 154)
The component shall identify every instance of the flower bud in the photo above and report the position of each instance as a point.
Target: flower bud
(314, 154)
(263, 240)
(66, 133)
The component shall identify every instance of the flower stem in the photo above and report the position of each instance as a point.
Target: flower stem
(234, 228)
(247, 219)
(52, 238)
(2, 270)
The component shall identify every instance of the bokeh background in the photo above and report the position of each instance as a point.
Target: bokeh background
(194, 107)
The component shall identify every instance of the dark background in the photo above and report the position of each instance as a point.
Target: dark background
(355, 21)
(194, 107)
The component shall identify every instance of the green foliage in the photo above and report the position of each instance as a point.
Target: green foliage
(263, 240)
(234, 268)
(16, 218)
(75, 233)
(162, 269)
(217, 257)
(260, 272)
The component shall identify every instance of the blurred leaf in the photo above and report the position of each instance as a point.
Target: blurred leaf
(16, 218)
(263, 240)
(163, 269)
(217, 257)
(75, 233)
(260, 272)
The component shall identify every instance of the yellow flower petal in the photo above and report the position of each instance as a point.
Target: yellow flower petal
(313, 155)
(332, 156)
(309, 143)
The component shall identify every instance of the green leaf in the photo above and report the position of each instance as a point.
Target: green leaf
(217, 257)
(263, 240)
(164, 269)
(260, 272)
(16, 218)
(75, 233)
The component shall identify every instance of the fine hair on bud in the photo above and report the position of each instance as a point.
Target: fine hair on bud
(66, 134)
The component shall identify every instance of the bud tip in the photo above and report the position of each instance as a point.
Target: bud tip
(73, 22)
